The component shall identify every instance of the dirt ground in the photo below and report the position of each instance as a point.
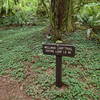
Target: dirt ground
(10, 89)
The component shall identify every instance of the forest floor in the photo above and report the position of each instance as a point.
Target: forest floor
(27, 74)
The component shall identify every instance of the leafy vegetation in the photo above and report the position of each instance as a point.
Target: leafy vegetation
(27, 24)
(19, 12)
(89, 16)
(92, 13)
(21, 56)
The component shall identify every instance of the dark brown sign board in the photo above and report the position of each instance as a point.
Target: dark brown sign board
(59, 50)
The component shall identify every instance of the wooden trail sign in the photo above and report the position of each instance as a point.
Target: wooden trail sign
(59, 50)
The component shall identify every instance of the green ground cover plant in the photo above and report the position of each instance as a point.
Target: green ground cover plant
(21, 57)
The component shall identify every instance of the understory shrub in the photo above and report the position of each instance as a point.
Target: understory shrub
(19, 13)
(89, 15)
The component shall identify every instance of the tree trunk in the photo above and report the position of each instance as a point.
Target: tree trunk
(70, 17)
(61, 17)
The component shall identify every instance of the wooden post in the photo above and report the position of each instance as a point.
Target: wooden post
(59, 50)
(58, 71)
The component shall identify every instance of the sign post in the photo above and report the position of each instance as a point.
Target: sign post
(59, 71)
(59, 50)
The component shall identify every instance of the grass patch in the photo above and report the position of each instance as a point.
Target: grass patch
(21, 56)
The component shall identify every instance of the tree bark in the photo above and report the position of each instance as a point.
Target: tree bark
(61, 17)
(70, 17)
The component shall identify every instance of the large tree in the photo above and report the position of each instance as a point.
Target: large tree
(61, 17)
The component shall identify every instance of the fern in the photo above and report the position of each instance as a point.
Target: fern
(91, 13)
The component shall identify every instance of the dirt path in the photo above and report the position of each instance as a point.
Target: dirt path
(11, 90)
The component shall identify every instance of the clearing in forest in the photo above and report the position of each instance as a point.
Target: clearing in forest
(26, 73)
